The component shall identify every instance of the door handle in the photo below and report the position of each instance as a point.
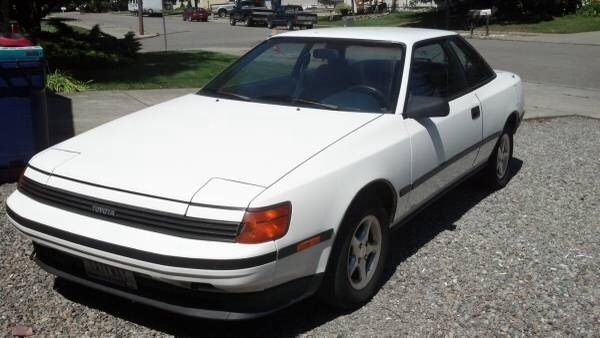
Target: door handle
(475, 112)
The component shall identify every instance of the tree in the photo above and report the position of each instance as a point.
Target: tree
(27, 13)
(4, 15)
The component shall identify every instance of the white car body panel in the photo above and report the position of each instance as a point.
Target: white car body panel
(164, 140)
(203, 158)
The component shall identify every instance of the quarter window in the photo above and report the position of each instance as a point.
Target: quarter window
(477, 71)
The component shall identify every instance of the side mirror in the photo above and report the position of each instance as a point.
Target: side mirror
(426, 106)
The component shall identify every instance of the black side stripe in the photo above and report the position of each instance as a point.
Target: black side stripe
(173, 261)
(293, 248)
(446, 164)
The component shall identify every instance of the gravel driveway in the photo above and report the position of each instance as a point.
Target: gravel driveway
(521, 261)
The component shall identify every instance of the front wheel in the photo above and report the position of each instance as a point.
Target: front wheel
(232, 21)
(290, 26)
(498, 170)
(249, 21)
(358, 258)
(270, 24)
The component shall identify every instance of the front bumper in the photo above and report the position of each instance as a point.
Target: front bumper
(228, 267)
(185, 301)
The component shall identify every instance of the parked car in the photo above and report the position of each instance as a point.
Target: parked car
(195, 14)
(280, 179)
(291, 16)
(150, 7)
(248, 13)
(222, 10)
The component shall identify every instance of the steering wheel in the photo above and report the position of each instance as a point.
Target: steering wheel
(371, 91)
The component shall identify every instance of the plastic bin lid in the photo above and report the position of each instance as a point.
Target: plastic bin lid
(21, 54)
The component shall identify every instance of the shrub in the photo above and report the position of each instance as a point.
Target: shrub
(59, 82)
(75, 50)
(590, 9)
(342, 9)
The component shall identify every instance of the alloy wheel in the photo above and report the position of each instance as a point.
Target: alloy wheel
(364, 252)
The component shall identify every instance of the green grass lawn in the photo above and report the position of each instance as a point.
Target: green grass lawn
(158, 70)
(391, 20)
(102, 62)
(560, 25)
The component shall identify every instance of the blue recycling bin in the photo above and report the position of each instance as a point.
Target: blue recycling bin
(23, 113)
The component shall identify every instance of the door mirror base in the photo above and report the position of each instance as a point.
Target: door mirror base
(426, 106)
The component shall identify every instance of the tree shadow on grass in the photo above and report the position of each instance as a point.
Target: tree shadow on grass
(158, 70)
(439, 217)
(110, 63)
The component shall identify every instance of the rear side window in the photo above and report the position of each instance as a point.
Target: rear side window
(477, 71)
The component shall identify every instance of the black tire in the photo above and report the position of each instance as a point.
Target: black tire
(232, 21)
(249, 21)
(270, 24)
(290, 26)
(309, 27)
(498, 170)
(222, 13)
(340, 288)
(150, 12)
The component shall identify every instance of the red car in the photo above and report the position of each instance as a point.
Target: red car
(195, 14)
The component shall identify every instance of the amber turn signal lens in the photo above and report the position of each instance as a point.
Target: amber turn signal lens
(266, 224)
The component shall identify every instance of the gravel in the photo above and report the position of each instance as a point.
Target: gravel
(521, 261)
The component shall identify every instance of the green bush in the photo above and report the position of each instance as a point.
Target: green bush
(590, 9)
(59, 82)
(342, 9)
(76, 50)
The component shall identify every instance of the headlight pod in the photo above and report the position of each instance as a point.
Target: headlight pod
(265, 224)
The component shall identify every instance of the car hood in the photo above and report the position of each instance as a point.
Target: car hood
(173, 149)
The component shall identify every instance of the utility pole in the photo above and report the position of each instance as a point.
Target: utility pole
(447, 14)
(141, 16)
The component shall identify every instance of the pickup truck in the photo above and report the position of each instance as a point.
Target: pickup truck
(223, 9)
(291, 16)
(248, 13)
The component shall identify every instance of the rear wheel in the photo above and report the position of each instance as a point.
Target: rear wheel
(309, 27)
(249, 21)
(270, 24)
(498, 170)
(357, 259)
(222, 12)
(290, 26)
(232, 21)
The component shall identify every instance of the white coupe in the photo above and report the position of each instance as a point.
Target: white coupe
(280, 179)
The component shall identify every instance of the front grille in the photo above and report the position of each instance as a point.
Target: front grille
(128, 215)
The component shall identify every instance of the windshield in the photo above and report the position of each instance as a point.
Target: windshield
(350, 75)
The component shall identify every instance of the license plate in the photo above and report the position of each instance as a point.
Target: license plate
(110, 274)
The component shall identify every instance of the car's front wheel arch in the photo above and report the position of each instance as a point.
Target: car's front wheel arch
(377, 199)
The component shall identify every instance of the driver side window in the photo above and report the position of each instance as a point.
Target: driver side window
(434, 73)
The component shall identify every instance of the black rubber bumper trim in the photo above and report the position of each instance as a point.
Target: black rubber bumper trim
(189, 302)
(172, 261)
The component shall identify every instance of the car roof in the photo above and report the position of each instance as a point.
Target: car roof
(408, 36)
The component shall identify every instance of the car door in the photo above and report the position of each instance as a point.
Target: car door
(479, 77)
(443, 148)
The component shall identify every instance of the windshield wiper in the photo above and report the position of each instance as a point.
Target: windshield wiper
(292, 100)
(233, 95)
(316, 104)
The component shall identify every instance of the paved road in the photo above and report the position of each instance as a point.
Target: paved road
(550, 63)
(571, 65)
